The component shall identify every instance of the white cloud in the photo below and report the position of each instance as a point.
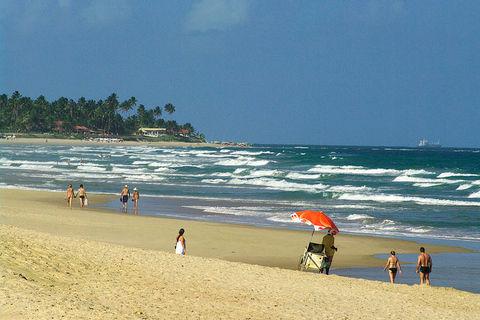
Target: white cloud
(217, 15)
(105, 12)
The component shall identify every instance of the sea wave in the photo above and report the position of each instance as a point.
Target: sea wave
(475, 195)
(452, 174)
(399, 199)
(405, 178)
(355, 170)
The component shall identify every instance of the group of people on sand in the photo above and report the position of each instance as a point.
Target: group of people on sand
(424, 266)
(424, 262)
(81, 194)
(180, 245)
(125, 194)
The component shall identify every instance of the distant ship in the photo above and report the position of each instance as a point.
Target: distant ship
(425, 144)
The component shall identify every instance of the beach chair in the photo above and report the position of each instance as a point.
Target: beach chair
(312, 258)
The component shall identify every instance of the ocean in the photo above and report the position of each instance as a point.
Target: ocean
(426, 195)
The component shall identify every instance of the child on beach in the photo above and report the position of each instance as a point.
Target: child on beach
(180, 243)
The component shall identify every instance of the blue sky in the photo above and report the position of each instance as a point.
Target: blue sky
(289, 72)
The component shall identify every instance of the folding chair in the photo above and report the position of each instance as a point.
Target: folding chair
(312, 258)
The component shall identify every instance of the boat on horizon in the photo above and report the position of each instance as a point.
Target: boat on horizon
(425, 144)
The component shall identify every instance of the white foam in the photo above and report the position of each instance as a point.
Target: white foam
(405, 178)
(464, 186)
(426, 185)
(348, 188)
(475, 195)
(301, 176)
(452, 174)
(91, 168)
(399, 199)
(214, 181)
(355, 170)
(357, 216)
(237, 211)
(279, 184)
(265, 173)
(250, 153)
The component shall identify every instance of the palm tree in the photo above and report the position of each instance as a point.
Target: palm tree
(170, 108)
(157, 112)
(41, 109)
(188, 126)
(132, 103)
(124, 107)
(3, 111)
(14, 106)
(111, 106)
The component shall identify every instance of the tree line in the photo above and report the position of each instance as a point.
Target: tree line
(22, 114)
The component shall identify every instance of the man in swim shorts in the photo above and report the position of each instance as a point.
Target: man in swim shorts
(125, 195)
(82, 195)
(424, 266)
(392, 264)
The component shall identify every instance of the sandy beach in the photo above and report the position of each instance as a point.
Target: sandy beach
(77, 142)
(95, 264)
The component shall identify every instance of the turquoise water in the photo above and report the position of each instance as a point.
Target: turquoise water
(409, 193)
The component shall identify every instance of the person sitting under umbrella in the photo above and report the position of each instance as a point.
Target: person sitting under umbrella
(329, 245)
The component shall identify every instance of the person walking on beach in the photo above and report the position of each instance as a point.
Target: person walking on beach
(392, 264)
(329, 245)
(180, 243)
(125, 194)
(135, 197)
(69, 197)
(424, 266)
(82, 195)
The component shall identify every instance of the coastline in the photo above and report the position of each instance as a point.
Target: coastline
(96, 263)
(232, 242)
(77, 142)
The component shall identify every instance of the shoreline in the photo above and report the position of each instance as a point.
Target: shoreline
(99, 264)
(231, 242)
(77, 142)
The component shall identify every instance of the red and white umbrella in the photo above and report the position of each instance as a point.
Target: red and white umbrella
(318, 219)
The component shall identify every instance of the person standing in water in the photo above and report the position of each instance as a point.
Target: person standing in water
(125, 194)
(82, 195)
(392, 264)
(69, 197)
(180, 243)
(424, 265)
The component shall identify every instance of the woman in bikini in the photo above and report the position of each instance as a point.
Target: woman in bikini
(69, 197)
(392, 264)
(135, 197)
(82, 195)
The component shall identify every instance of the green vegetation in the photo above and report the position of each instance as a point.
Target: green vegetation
(77, 119)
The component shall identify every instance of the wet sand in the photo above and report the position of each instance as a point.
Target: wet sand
(97, 264)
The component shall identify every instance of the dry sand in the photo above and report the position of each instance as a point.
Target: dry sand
(94, 264)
